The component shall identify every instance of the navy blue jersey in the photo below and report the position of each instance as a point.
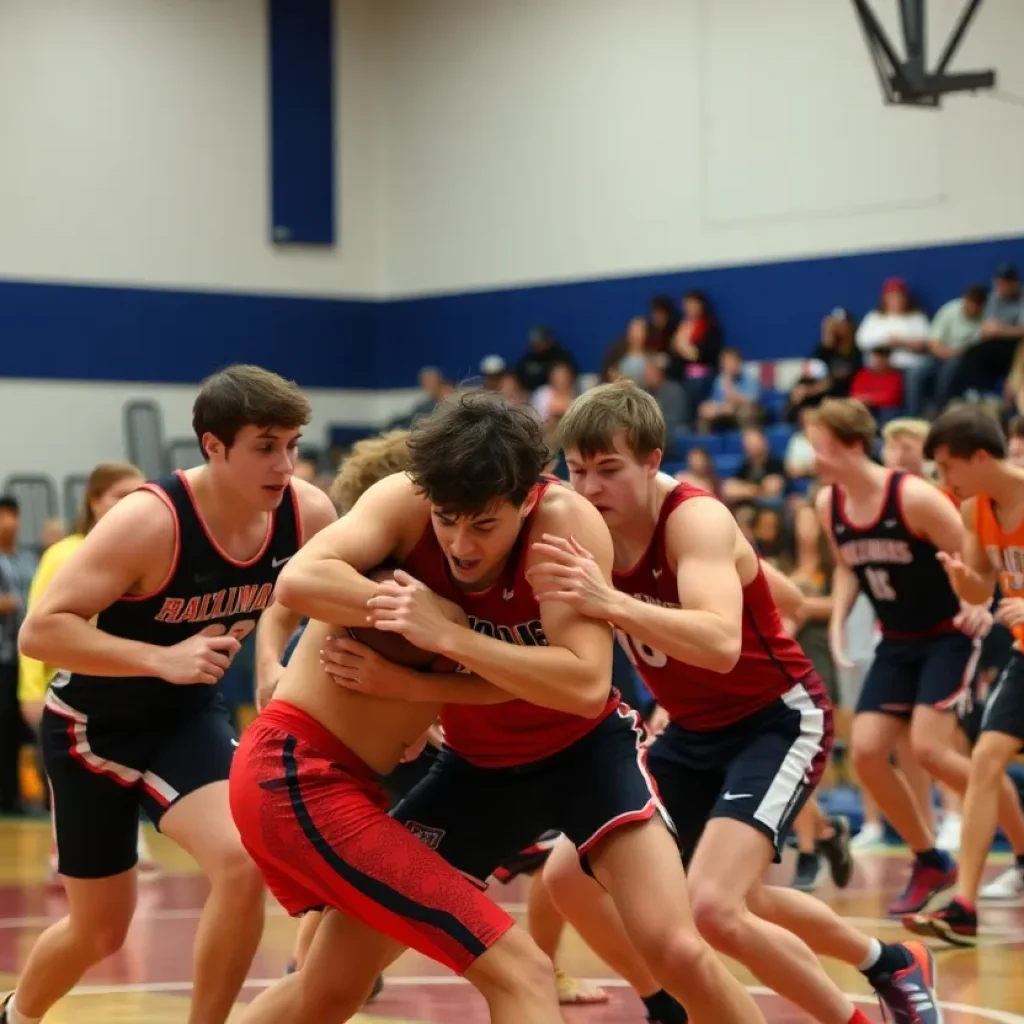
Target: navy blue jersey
(898, 570)
(206, 590)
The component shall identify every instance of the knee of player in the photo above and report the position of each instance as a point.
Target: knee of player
(514, 963)
(866, 753)
(719, 918)
(563, 876)
(674, 955)
(337, 996)
(988, 765)
(927, 751)
(106, 937)
(233, 872)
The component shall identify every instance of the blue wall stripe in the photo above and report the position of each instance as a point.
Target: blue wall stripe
(301, 110)
(768, 311)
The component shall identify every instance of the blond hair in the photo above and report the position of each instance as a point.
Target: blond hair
(847, 420)
(370, 460)
(906, 427)
(101, 479)
(592, 422)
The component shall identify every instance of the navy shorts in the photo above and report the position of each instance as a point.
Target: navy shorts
(935, 671)
(478, 818)
(1004, 709)
(103, 770)
(760, 770)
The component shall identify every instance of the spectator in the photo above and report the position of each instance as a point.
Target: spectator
(628, 355)
(879, 385)
(669, 395)
(305, 468)
(839, 352)
(534, 368)
(734, 396)
(553, 399)
(955, 328)
(811, 387)
(492, 372)
(768, 536)
(17, 567)
(760, 475)
(513, 391)
(901, 327)
(700, 471)
(434, 388)
(799, 457)
(53, 532)
(662, 321)
(695, 349)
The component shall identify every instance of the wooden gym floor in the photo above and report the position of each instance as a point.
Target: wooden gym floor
(149, 980)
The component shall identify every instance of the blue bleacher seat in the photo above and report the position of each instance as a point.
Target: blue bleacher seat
(773, 402)
(732, 442)
(727, 464)
(343, 435)
(778, 435)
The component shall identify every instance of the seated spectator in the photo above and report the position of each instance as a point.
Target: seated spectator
(991, 360)
(799, 457)
(534, 367)
(879, 385)
(760, 475)
(513, 391)
(669, 395)
(734, 396)
(553, 399)
(306, 467)
(629, 354)
(901, 327)
(829, 371)
(662, 321)
(695, 349)
(492, 372)
(700, 471)
(768, 533)
(745, 514)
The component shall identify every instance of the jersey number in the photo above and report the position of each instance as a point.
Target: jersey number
(239, 630)
(635, 648)
(879, 585)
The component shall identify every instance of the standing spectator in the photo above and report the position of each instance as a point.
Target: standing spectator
(17, 567)
(879, 385)
(760, 475)
(734, 396)
(901, 327)
(669, 395)
(695, 349)
(955, 328)
(662, 321)
(534, 368)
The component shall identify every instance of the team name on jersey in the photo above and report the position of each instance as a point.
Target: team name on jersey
(876, 549)
(1009, 563)
(219, 604)
(526, 634)
(647, 599)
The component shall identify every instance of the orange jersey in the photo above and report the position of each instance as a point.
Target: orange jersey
(1005, 551)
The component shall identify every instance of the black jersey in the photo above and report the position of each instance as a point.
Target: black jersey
(206, 591)
(898, 570)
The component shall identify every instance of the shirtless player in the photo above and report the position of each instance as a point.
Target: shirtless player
(750, 724)
(559, 752)
(970, 450)
(144, 618)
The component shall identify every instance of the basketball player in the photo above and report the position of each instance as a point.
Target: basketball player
(144, 618)
(750, 729)
(970, 451)
(886, 529)
(542, 743)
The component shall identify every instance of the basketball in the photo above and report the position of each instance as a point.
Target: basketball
(392, 646)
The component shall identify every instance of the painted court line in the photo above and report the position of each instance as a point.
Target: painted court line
(437, 981)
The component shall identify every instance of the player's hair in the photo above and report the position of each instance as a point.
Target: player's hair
(369, 461)
(965, 430)
(906, 427)
(242, 396)
(848, 420)
(476, 450)
(592, 422)
(101, 479)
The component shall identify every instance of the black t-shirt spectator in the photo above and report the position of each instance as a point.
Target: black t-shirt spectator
(544, 352)
(755, 472)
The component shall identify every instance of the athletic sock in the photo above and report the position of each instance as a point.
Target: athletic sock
(13, 1017)
(663, 1009)
(890, 959)
(966, 905)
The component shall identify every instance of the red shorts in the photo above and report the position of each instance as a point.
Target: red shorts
(313, 817)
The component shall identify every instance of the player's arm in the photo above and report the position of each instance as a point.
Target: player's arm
(278, 623)
(573, 673)
(845, 586)
(706, 629)
(788, 597)
(972, 574)
(324, 580)
(112, 560)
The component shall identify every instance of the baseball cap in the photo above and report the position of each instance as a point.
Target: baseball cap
(492, 365)
(1007, 272)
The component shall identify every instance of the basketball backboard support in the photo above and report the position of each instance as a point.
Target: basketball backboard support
(907, 81)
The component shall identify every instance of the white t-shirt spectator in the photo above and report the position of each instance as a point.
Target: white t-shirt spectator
(877, 330)
(799, 457)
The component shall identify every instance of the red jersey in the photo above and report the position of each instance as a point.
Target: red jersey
(517, 732)
(771, 661)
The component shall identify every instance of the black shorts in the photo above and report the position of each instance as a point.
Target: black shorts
(103, 770)
(477, 818)
(1004, 709)
(760, 770)
(935, 671)
(406, 777)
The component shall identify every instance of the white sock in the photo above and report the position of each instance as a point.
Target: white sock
(13, 1017)
(874, 955)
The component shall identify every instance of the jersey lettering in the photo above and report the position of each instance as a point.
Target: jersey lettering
(879, 585)
(637, 648)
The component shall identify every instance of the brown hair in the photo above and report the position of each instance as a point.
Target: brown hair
(476, 450)
(846, 419)
(101, 479)
(965, 430)
(242, 395)
(370, 460)
(592, 421)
